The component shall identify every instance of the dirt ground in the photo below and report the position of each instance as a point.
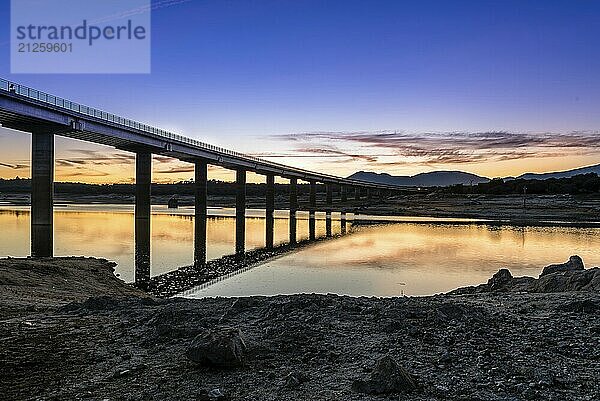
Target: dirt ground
(70, 330)
(534, 209)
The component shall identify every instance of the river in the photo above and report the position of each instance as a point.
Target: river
(418, 256)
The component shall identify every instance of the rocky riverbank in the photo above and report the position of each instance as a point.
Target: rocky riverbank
(581, 210)
(70, 330)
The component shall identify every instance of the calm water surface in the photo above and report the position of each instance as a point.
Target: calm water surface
(412, 259)
(409, 258)
(108, 231)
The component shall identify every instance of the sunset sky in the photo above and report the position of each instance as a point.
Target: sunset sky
(496, 88)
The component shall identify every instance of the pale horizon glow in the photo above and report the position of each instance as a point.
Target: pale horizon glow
(492, 88)
(78, 161)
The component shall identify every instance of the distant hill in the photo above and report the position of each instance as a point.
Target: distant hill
(432, 179)
(562, 174)
(445, 178)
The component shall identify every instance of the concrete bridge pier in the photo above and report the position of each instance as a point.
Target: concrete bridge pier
(240, 211)
(270, 211)
(42, 194)
(329, 203)
(143, 180)
(312, 208)
(293, 209)
(343, 222)
(200, 215)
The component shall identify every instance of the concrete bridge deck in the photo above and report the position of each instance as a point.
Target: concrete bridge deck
(45, 115)
(26, 109)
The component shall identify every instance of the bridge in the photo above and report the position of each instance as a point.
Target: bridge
(45, 115)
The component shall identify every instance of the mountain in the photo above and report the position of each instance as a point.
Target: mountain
(562, 174)
(445, 178)
(435, 178)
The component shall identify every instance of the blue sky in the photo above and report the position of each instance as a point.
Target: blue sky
(247, 74)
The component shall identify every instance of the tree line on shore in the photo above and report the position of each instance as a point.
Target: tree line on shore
(214, 187)
(579, 184)
(576, 185)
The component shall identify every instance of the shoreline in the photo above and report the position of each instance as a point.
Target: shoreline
(377, 213)
(69, 320)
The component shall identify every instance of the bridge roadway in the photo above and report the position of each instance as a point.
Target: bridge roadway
(45, 115)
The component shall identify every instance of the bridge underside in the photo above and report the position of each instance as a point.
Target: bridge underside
(45, 121)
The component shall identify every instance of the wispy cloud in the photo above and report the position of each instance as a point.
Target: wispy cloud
(394, 148)
(176, 169)
(98, 157)
(15, 166)
(321, 152)
(88, 173)
(81, 160)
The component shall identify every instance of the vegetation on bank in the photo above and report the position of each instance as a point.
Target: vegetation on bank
(576, 185)
(214, 187)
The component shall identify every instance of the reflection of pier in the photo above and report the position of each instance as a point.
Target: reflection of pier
(45, 116)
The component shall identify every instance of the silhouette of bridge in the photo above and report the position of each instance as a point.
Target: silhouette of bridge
(45, 115)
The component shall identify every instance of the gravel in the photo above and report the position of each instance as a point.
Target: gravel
(71, 343)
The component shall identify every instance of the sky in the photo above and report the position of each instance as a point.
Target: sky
(496, 88)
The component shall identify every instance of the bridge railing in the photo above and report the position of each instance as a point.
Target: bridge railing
(44, 97)
(103, 115)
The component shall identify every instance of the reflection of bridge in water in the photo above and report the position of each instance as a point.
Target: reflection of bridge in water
(45, 116)
(190, 278)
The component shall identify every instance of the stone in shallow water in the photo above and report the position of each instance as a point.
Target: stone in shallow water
(388, 377)
(221, 347)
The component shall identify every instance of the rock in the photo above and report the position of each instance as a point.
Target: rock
(500, 281)
(392, 326)
(574, 280)
(581, 306)
(569, 276)
(445, 358)
(449, 312)
(93, 304)
(121, 373)
(295, 379)
(574, 263)
(387, 377)
(222, 347)
(214, 394)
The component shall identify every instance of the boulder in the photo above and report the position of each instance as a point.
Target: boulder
(222, 347)
(574, 263)
(388, 377)
(569, 276)
(214, 394)
(500, 281)
(575, 280)
(295, 379)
